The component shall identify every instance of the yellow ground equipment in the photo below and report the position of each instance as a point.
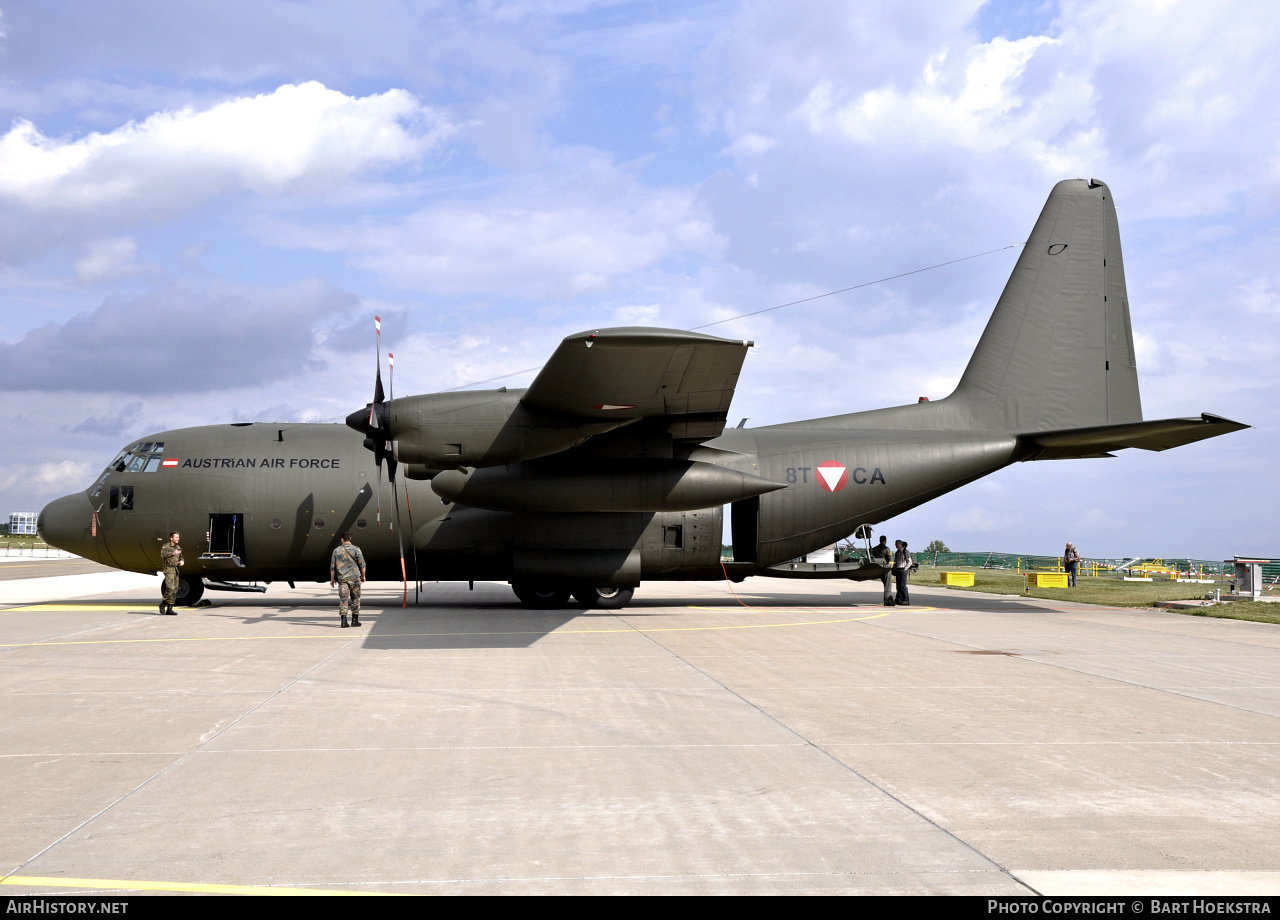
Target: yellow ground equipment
(1046, 579)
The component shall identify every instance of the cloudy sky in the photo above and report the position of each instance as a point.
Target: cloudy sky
(203, 204)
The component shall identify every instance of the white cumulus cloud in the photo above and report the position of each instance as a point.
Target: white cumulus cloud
(298, 139)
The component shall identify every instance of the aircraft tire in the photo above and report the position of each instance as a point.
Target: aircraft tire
(607, 598)
(190, 590)
(541, 595)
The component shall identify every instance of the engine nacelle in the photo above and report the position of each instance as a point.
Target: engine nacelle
(481, 428)
(603, 485)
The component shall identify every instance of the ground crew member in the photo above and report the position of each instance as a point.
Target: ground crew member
(880, 553)
(170, 560)
(347, 571)
(902, 564)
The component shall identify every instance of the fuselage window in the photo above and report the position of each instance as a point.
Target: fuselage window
(136, 463)
(115, 498)
(126, 498)
(158, 448)
(145, 448)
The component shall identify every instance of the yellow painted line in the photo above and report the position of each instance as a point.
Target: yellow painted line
(39, 881)
(444, 635)
(89, 608)
(801, 609)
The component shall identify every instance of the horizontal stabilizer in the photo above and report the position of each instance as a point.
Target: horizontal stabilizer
(1162, 434)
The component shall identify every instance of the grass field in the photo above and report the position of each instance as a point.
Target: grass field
(17, 541)
(1112, 592)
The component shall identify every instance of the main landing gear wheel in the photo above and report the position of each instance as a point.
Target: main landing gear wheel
(606, 598)
(541, 595)
(190, 590)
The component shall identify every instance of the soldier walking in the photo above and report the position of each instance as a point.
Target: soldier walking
(347, 571)
(170, 561)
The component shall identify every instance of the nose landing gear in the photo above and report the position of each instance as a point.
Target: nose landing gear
(190, 590)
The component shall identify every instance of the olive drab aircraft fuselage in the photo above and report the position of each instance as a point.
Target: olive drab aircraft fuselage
(615, 465)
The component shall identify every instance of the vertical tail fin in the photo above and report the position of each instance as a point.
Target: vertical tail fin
(1058, 350)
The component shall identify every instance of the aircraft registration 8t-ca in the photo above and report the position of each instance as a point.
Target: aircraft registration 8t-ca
(614, 466)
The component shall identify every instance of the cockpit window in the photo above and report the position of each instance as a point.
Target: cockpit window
(141, 458)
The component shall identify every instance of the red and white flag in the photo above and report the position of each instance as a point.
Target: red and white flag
(170, 463)
(377, 324)
(391, 360)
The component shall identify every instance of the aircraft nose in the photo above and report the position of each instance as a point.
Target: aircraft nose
(67, 524)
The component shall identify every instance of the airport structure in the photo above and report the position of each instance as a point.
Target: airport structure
(22, 522)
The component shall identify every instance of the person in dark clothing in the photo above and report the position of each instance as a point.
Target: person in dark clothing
(902, 563)
(1072, 558)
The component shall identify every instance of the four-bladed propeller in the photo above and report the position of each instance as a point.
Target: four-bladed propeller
(374, 421)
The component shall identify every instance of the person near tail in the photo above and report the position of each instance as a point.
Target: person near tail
(170, 561)
(1072, 559)
(347, 571)
(881, 554)
(902, 565)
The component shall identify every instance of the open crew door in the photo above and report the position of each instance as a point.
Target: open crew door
(225, 542)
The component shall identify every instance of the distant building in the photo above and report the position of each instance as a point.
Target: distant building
(22, 522)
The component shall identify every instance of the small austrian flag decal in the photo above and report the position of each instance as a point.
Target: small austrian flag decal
(832, 476)
(170, 463)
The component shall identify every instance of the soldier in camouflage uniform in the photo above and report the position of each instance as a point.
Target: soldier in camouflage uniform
(170, 560)
(346, 570)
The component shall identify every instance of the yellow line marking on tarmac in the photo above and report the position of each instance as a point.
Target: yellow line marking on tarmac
(447, 635)
(89, 608)
(39, 881)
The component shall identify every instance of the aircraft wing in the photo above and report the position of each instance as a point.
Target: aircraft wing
(1162, 434)
(638, 372)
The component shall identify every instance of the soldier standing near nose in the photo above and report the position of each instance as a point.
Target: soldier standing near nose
(170, 560)
(347, 571)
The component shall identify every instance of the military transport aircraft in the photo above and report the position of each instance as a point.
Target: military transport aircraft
(615, 465)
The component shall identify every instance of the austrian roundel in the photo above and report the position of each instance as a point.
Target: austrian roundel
(832, 476)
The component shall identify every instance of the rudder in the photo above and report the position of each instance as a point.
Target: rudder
(1058, 352)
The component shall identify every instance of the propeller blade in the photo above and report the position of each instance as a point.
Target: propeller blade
(395, 512)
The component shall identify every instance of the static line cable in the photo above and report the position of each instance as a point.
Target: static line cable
(856, 286)
(916, 271)
(476, 383)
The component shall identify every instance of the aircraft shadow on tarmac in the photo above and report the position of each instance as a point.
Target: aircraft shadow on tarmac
(453, 617)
